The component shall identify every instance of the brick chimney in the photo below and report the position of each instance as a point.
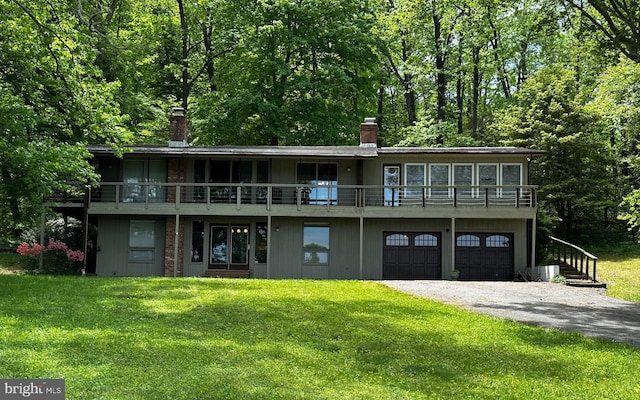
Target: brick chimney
(369, 133)
(178, 128)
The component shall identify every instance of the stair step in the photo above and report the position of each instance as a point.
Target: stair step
(585, 283)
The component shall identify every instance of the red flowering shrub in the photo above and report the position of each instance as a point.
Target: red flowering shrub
(57, 257)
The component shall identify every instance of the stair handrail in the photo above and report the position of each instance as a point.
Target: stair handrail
(582, 251)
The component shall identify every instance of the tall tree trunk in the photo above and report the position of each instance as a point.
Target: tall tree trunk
(460, 93)
(207, 32)
(523, 72)
(475, 91)
(502, 73)
(185, 54)
(381, 103)
(441, 77)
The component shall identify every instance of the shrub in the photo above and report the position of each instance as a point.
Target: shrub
(57, 258)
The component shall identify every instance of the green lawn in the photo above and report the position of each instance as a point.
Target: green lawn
(619, 268)
(163, 338)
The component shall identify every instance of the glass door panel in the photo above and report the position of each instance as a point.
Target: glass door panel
(229, 247)
(391, 183)
(219, 248)
(239, 245)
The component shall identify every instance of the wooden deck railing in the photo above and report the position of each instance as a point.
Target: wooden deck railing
(575, 257)
(319, 195)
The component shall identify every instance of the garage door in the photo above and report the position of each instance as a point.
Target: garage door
(411, 255)
(485, 256)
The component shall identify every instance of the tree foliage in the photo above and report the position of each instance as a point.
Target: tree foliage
(575, 174)
(559, 75)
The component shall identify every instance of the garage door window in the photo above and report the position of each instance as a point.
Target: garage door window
(425, 240)
(397, 240)
(497, 241)
(468, 241)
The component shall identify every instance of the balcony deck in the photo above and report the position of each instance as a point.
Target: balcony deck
(342, 201)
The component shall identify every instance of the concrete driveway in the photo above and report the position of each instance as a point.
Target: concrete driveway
(551, 305)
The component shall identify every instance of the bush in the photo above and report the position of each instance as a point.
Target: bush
(57, 258)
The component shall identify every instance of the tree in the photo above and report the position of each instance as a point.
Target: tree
(576, 183)
(302, 72)
(618, 20)
(54, 101)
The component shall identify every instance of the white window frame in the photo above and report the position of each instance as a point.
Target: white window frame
(449, 176)
(412, 193)
(471, 183)
(502, 165)
(497, 177)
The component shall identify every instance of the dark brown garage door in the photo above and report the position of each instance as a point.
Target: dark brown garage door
(484, 256)
(411, 255)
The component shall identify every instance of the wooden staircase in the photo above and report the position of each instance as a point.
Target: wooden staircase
(574, 277)
(576, 264)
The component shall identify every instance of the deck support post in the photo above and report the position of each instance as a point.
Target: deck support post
(269, 233)
(453, 245)
(361, 246)
(176, 244)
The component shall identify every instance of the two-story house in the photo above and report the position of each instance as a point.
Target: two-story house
(330, 212)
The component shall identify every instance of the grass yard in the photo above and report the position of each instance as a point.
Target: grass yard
(619, 268)
(157, 338)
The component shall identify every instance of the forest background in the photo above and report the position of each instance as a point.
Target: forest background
(557, 75)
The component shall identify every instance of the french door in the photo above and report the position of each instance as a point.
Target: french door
(229, 247)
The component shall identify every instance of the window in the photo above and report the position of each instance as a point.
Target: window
(261, 243)
(144, 171)
(439, 176)
(463, 176)
(316, 244)
(511, 176)
(488, 176)
(197, 241)
(397, 240)
(322, 179)
(425, 240)
(141, 241)
(229, 171)
(468, 241)
(414, 176)
(497, 241)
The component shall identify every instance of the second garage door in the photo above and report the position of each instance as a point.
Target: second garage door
(485, 256)
(412, 255)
